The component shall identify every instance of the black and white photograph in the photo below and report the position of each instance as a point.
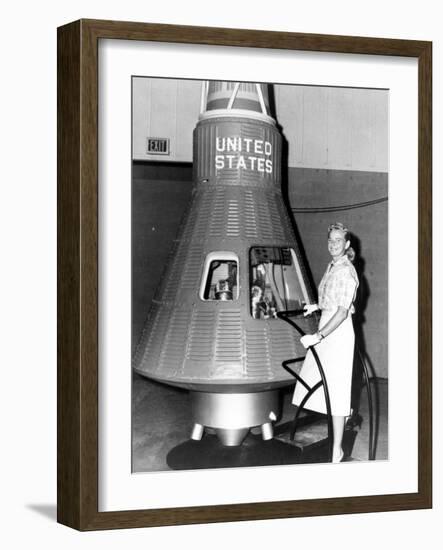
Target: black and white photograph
(222, 249)
(259, 225)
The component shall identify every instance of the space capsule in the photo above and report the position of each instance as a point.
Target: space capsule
(213, 327)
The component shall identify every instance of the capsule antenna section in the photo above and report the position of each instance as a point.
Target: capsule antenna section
(241, 99)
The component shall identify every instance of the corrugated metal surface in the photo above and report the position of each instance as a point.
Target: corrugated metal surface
(193, 342)
(201, 336)
(249, 215)
(174, 343)
(217, 212)
(233, 221)
(192, 268)
(151, 344)
(229, 341)
(258, 357)
(282, 345)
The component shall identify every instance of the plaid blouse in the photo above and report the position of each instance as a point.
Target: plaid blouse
(338, 286)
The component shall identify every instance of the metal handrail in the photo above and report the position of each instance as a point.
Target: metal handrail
(284, 315)
(372, 434)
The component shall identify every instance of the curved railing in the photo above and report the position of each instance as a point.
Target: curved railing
(286, 316)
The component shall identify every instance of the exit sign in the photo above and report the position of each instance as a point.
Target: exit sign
(157, 146)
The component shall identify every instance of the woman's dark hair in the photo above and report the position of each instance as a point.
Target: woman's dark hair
(338, 226)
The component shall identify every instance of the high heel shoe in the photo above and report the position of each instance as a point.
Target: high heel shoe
(339, 458)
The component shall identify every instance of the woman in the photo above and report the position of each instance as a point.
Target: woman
(334, 340)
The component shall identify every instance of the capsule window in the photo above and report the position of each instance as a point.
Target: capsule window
(276, 282)
(220, 277)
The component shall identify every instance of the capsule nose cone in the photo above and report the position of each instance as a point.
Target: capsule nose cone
(247, 96)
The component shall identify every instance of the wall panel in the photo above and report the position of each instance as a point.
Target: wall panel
(325, 128)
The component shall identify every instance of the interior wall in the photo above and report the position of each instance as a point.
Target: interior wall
(162, 192)
(334, 128)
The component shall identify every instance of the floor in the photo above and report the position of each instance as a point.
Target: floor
(162, 424)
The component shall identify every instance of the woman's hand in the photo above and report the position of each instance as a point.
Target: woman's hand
(309, 309)
(309, 340)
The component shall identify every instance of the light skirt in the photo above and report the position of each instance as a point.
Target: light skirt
(336, 353)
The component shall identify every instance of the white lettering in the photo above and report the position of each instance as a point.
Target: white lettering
(248, 142)
(241, 162)
(217, 144)
(230, 159)
(237, 144)
(252, 162)
(232, 144)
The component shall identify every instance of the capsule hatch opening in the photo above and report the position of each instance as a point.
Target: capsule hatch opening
(220, 277)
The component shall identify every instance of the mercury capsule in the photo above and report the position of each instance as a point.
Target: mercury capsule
(213, 327)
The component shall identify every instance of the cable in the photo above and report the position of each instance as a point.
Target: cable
(338, 208)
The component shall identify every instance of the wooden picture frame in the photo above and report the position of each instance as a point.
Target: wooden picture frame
(78, 273)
